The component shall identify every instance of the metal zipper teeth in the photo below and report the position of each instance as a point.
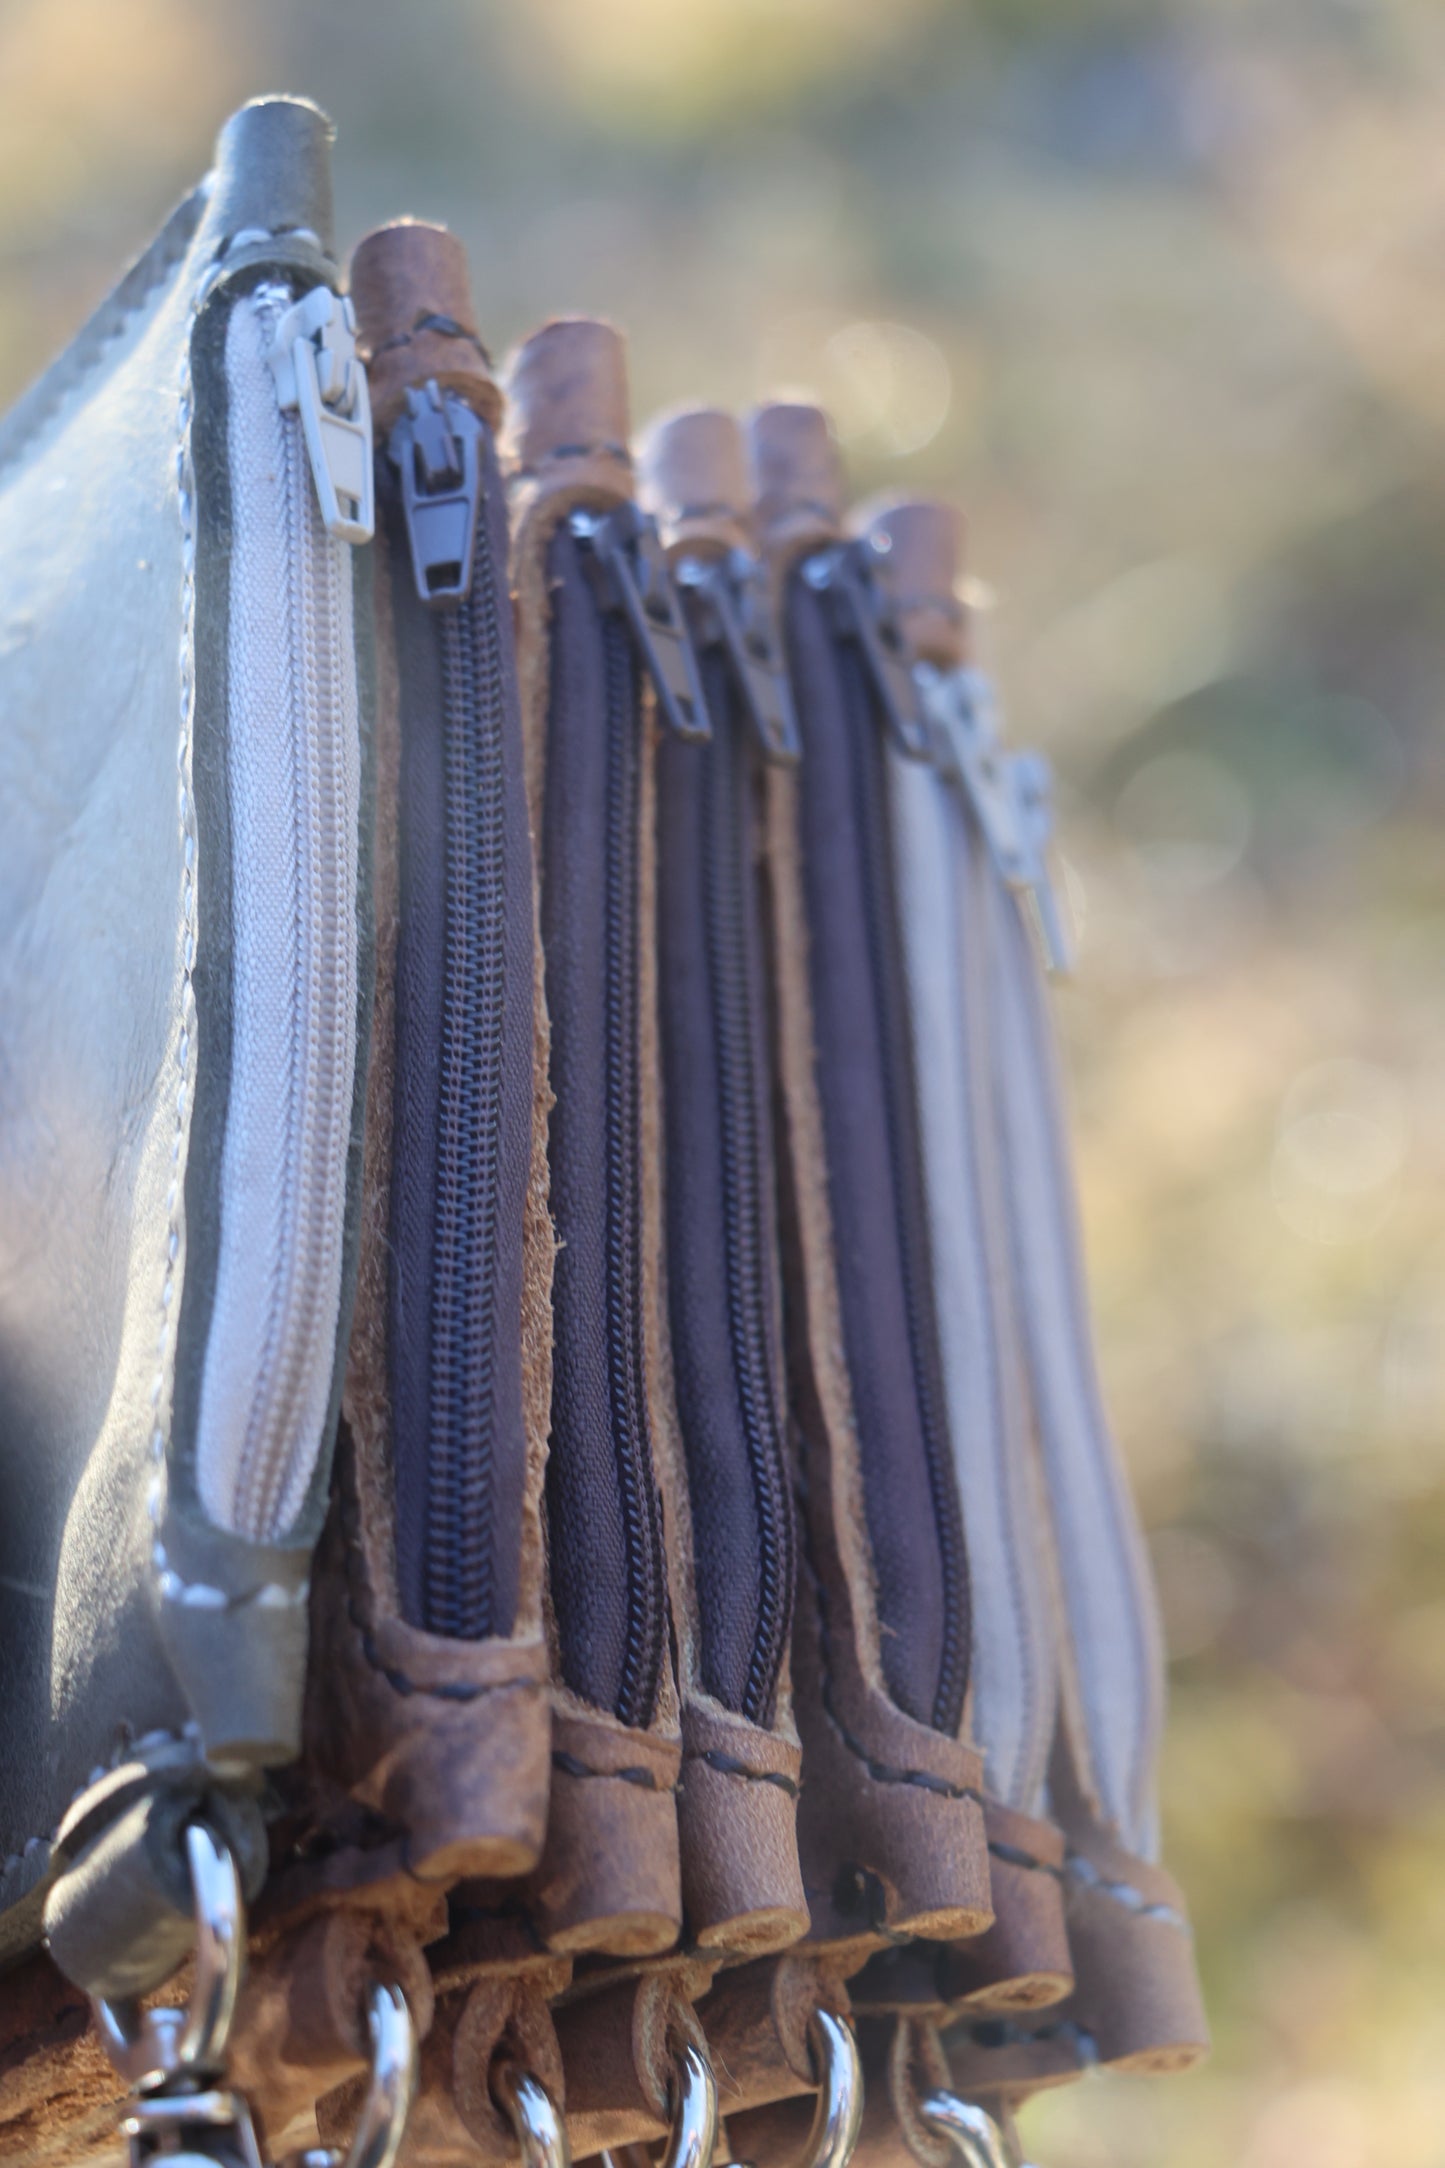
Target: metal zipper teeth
(730, 945)
(626, 1366)
(300, 1323)
(458, 1591)
(886, 962)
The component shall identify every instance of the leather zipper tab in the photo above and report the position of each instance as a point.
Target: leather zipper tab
(436, 450)
(630, 573)
(319, 373)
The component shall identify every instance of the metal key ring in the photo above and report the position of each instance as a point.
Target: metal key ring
(381, 2125)
(974, 2132)
(692, 2140)
(541, 2132)
(839, 2113)
(147, 2046)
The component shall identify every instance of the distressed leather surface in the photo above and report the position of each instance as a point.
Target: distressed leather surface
(103, 900)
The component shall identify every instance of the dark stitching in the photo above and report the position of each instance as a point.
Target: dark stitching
(458, 1690)
(576, 451)
(1002, 2032)
(642, 1778)
(398, 1681)
(445, 327)
(727, 1765)
(881, 1773)
(1013, 1856)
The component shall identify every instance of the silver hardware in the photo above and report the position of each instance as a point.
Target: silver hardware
(733, 609)
(838, 2116)
(850, 576)
(436, 449)
(180, 2114)
(1011, 795)
(541, 2132)
(692, 2139)
(319, 374)
(631, 574)
(149, 2047)
(974, 2132)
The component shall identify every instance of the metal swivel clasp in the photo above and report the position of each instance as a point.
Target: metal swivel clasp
(181, 2112)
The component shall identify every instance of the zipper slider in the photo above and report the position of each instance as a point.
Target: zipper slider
(435, 447)
(318, 372)
(733, 609)
(850, 575)
(631, 574)
(1011, 795)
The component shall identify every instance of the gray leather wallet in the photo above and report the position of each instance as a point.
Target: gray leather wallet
(184, 965)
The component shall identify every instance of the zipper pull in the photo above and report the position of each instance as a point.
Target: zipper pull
(850, 575)
(631, 574)
(435, 447)
(319, 373)
(733, 610)
(1011, 795)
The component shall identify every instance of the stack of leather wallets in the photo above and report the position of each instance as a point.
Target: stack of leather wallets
(566, 1584)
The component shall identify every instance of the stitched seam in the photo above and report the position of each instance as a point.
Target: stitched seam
(1004, 2033)
(1086, 1875)
(1013, 1855)
(68, 384)
(642, 1779)
(186, 509)
(881, 1772)
(399, 1681)
(728, 1766)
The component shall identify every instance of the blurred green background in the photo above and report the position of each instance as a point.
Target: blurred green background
(1159, 292)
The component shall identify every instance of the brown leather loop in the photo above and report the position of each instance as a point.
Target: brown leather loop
(414, 313)
(798, 488)
(923, 559)
(693, 475)
(568, 414)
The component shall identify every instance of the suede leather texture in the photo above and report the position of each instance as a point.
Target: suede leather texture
(107, 902)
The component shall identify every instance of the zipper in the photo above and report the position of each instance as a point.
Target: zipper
(944, 905)
(871, 702)
(722, 1234)
(626, 1372)
(294, 786)
(732, 940)
(606, 1559)
(461, 1130)
(1107, 1595)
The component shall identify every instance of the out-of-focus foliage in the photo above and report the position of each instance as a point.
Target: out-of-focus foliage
(1159, 291)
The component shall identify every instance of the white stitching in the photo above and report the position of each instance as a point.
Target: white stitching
(186, 506)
